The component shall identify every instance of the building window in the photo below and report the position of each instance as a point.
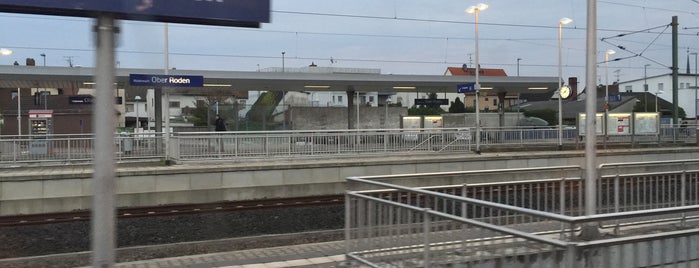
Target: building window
(371, 98)
(174, 104)
(681, 85)
(628, 89)
(339, 99)
(130, 108)
(660, 86)
(495, 102)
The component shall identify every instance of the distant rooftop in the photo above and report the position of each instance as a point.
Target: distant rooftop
(322, 70)
(461, 71)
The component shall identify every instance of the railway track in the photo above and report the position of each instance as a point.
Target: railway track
(169, 210)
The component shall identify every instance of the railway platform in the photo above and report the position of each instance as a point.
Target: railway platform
(322, 255)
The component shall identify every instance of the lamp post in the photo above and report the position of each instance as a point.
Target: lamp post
(645, 85)
(518, 59)
(388, 101)
(7, 52)
(475, 10)
(43, 55)
(561, 22)
(137, 99)
(283, 52)
(606, 92)
(696, 114)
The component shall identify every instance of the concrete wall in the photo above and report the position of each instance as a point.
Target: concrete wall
(487, 120)
(322, 118)
(41, 191)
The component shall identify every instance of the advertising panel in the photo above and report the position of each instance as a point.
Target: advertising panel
(242, 13)
(619, 124)
(646, 123)
(599, 120)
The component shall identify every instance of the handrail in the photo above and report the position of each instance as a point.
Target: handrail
(479, 224)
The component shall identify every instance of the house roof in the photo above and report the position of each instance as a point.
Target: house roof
(459, 71)
(571, 108)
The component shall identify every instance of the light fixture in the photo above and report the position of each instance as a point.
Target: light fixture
(538, 88)
(88, 83)
(317, 87)
(610, 52)
(5, 52)
(479, 7)
(217, 85)
(486, 88)
(565, 21)
(399, 87)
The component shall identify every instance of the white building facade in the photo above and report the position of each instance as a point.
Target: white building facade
(661, 86)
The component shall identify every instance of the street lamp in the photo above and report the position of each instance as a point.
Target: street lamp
(43, 55)
(606, 93)
(475, 10)
(606, 79)
(7, 52)
(138, 124)
(283, 52)
(388, 101)
(560, 74)
(645, 85)
(518, 59)
(656, 99)
(696, 114)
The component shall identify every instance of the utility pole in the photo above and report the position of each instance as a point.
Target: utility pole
(675, 50)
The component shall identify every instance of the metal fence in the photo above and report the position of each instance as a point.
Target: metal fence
(188, 146)
(532, 223)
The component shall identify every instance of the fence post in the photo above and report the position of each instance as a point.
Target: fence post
(616, 200)
(562, 201)
(348, 222)
(571, 255)
(683, 194)
(426, 233)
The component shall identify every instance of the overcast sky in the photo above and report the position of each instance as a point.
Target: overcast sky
(396, 36)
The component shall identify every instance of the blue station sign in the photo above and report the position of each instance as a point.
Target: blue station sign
(466, 88)
(155, 80)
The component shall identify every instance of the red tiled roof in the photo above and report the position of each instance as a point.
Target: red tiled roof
(472, 71)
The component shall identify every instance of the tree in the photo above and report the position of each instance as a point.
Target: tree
(641, 107)
(457, 106)
(546, 114)
(204, 110)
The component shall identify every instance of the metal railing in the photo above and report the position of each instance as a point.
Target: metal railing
(535, 222)
(196, 146)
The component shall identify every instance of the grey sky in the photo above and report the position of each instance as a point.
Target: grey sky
(397, 36)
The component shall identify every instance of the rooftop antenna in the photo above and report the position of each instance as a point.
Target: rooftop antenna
(69, 59)
(616, 73)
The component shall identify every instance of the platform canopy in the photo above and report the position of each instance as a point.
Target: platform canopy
(81, 77)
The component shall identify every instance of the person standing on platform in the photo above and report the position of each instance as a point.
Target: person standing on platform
(220, 124)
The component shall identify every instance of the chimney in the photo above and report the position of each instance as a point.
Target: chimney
(573, 83)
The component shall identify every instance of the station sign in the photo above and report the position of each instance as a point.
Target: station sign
(155, 80)
(431, 101)
(240, 13)
(466, 88)
(614, 98)
(87, 99)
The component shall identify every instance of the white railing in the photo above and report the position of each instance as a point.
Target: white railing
(195, 146)
(526, 223)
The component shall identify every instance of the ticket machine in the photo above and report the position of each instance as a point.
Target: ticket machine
(40, 128)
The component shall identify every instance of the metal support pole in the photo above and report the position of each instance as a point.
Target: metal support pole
(19, 112)
(103, 210)
(675, 108)
(590, 111)
(478, 92)
(166, 104)
(560, 75)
